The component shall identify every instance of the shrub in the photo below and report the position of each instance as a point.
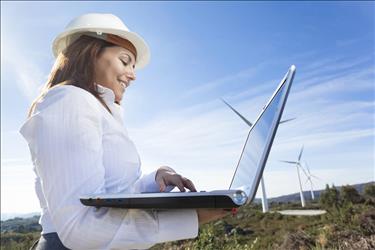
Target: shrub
(370, 190)
(350, 194)
(297, 240)
(367, 222)
(330, 198)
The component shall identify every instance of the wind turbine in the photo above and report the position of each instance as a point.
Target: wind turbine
(247, 121)
(309, 180)
(298, 166)
(264, 196)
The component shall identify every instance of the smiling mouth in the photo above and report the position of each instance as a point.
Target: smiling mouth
(124, 84)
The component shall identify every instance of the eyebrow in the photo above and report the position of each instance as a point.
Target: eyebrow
(129, 57)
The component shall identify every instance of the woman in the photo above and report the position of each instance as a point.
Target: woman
(79, 145)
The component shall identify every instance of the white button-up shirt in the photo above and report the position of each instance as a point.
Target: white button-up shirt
(79, 148)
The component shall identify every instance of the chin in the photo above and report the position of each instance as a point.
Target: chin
(118, 99)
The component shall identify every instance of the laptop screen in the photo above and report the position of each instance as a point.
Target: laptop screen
(259, 141)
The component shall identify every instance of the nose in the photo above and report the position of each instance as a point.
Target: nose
(131, 74)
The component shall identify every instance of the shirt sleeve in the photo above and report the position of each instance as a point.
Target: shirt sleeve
(65, 139)
(147, 183)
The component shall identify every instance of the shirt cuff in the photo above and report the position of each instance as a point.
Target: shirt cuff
(151, 185)
(177, 224)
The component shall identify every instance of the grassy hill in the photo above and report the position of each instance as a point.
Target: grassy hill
(352, 227)
(348, 224)
(21, 225)
(295, 197)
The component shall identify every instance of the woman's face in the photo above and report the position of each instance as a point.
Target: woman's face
(114, 69)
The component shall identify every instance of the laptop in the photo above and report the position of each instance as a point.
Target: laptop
(246, 177)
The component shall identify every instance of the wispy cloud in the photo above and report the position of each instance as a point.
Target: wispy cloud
(351, 41)
(331, 68)
(28, 75)
(18, 181)
(327, 176)
(15, 161)
(325, 140)
(216, 83)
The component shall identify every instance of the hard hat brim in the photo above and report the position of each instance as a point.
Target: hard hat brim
(65, 38)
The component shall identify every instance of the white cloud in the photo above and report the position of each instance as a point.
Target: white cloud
(349, 42)
(333, 64)
(216, 83)
(325, 140)
(14, 161)
(17, 189)
(286, 182)
(28, 75)
(361, 80)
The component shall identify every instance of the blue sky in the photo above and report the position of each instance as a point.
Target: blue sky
(200, 52)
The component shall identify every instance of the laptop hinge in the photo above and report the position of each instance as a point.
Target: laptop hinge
(246, 189)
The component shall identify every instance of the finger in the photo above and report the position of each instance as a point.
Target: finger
(189, 184)
(180, 185)
(162, 184)
(175, 180)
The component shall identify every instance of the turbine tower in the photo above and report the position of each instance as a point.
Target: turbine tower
(309, 175)
(264, 195)
(298, 166)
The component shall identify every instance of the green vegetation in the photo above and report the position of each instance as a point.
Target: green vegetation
(370, 190)
(348, 224)
(19, 233)
(21, 225)
(18, 241)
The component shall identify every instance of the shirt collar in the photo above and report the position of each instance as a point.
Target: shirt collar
(107, 94)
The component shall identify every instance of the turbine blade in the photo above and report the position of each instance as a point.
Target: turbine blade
(307, 167)
(291, 162)
(300, 154)
(303, 170)
(235, 111)
(288, 120)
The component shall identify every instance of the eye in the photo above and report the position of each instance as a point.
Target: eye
(124, 63)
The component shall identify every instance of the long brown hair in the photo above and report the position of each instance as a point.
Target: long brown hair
(75, 66)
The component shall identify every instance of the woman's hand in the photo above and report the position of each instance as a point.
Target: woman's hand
(206, 215)
(167, 176)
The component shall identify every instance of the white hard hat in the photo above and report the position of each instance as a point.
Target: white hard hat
(98, 25)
